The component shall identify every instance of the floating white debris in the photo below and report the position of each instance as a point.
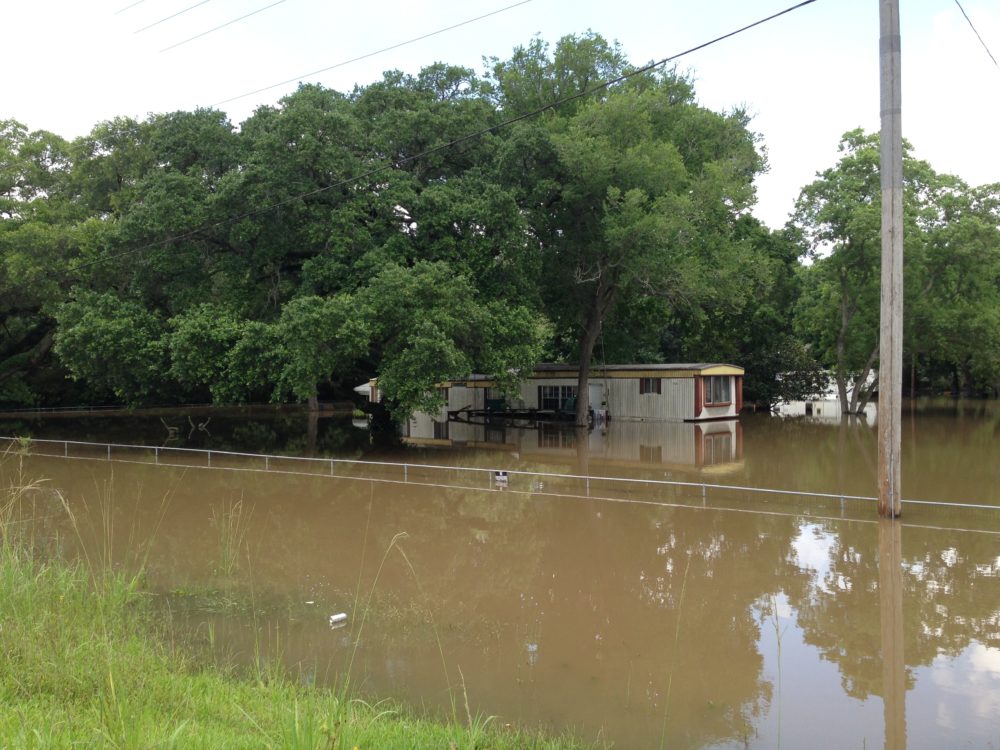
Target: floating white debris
(310, 602)
(338, 620)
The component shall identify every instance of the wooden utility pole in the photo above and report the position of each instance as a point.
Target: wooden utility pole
(890, 371)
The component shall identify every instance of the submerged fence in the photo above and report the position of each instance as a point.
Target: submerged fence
(608, 488)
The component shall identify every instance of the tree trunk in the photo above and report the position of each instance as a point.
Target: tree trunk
(587, 343)
(968, 382)
(312, 432)
(847, 309)
(603, 297)
(845, 408)
(841, 375)
(41, 349)
(859, 385)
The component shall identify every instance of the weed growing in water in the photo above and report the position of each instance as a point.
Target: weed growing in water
(476, 725)
(82, 664)
(231, 521)
(677, 636)
(779, 632)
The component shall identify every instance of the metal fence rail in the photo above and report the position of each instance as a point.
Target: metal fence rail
(468, 477)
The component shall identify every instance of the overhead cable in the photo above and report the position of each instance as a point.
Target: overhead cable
(973, 27)
(227, 23)
(370, 54)
(174, 15)
(122, 10)
(449, 144)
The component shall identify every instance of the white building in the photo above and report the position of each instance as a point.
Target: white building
(824, 405)
(671, 393)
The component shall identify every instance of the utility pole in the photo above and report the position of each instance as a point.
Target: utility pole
(890, 370)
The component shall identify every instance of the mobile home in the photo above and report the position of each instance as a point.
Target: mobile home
(641, 392)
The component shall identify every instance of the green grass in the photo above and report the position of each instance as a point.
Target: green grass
(82, 665)
(85, 663)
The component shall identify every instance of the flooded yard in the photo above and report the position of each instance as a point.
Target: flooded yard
(628, 584)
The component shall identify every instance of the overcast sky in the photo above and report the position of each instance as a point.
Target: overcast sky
(806, 77)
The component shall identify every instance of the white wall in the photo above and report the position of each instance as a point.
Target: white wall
(674, 404)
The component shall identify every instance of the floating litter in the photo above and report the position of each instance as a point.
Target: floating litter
(339, 620)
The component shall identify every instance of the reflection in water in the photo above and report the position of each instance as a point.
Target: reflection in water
(292, 432)
(621, 445)
(890, 589)
(753, 623)
(635, 623)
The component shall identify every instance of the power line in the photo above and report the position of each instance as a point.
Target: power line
(122, 10)
(371, 54)
(227, 23)
(443, 146)
(178, 13)
(972, 26)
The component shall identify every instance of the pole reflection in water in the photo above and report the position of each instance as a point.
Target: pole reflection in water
(890, 586)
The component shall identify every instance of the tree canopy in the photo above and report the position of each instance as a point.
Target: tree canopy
(335, 236)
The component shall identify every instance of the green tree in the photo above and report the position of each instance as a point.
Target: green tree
(320, 338)
(40, 233)
(199, 343)
(631, 195)
(430, 325)
(953, 320)
(839, 216)
(754, 326)
(951, 246)
(114, 344)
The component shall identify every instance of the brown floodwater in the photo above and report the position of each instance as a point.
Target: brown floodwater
(611, 586)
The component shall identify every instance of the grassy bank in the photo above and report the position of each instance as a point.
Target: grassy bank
(84, 664)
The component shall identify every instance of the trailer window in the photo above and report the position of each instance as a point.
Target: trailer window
(650, 385)
(552, 397)
(717, 390)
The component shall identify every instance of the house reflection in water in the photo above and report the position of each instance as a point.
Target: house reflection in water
(714, 447)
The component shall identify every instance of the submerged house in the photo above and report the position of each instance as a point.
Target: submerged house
(670, 393)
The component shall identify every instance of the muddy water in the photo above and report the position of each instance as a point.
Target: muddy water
(660, 615)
